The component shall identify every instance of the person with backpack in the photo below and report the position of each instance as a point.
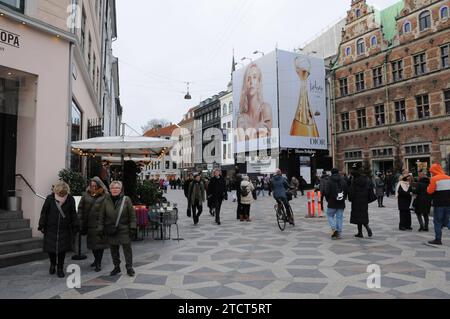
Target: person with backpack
(336, 193)
(246, 190)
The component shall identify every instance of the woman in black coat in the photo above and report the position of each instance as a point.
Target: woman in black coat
(58, 226)
(404, 196)
(422, 203)
(359, 197)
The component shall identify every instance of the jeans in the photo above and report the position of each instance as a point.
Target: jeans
(335, 218)
(441, 219)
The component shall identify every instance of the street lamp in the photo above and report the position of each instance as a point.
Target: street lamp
(256, 52)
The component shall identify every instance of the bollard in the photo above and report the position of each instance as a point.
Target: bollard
(309, 204)
(313, 203)
(319, 204)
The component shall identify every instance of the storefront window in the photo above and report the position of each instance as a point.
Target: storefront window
(18, 5)
(76, 135)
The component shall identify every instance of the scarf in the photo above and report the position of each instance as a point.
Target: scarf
(61, 200)
(403, 185)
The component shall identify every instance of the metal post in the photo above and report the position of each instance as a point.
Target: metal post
(79, 256)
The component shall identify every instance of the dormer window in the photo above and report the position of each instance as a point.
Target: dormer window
(360, 47)
(407, 27)
(425, 20)
(444, 12)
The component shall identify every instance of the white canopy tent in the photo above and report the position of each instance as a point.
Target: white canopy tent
(141, 148)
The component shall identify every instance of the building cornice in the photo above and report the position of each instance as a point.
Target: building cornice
(37, 24)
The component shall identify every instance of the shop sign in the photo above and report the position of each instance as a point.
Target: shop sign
(9, 38)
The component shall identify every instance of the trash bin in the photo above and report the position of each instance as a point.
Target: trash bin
(14, 202)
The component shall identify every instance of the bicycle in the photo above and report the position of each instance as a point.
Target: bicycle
(282, 217)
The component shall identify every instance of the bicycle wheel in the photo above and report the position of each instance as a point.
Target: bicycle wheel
(281, 217)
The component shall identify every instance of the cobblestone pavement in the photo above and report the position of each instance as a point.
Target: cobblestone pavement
(257, 261)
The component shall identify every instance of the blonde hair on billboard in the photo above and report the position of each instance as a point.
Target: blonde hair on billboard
(243, 105)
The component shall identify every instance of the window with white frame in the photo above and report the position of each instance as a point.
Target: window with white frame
(348, 51)
(360, 47)
(407, 27)
(424, 20)
(444, 12)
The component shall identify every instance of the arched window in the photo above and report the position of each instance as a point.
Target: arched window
(360, 47)
(425, 20)
(373, 41)
(231, 107)
(348, 51)
(407, 27)
(444, 12)
(225, 109)
(358, 13)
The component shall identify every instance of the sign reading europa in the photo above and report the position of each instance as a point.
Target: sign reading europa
(9, 38)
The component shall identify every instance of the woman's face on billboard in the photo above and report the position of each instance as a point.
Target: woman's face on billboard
(253, 84)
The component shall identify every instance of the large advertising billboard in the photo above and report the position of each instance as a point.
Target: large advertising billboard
(302, 101)
(256, 99)
(280, 102)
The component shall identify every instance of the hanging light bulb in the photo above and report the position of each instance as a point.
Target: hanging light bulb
(188, 96)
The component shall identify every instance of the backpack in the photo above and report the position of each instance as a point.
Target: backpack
(244, 191)
(340, 192)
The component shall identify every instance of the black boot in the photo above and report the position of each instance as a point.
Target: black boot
(98, 267)
(116, 271)
(52, 269)
(60, 272)
(131, 272)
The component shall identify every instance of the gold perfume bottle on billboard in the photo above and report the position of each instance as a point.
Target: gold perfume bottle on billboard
(304, 123)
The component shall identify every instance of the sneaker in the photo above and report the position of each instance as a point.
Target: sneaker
(131, 272)
(338, 236)
(116, 271)
(359, 236)
(334, 234)
(435, 242)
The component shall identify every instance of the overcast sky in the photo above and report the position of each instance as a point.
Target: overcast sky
(163, 43)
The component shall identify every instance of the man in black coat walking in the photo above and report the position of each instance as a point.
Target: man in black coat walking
(186, 185)
(217, 191)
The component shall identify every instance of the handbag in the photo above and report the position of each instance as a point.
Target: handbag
(372, 196)
(111, 230)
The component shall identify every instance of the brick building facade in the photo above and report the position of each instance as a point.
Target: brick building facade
(392, 86)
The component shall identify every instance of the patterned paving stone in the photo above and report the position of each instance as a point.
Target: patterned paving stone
(306, 273)
(237, 260)
(189, 258)
(169, 267)
(216, 292)
(306, 262)
(151, 279)
(304, 288)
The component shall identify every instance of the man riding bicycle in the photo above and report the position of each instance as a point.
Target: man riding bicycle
(280, 186)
